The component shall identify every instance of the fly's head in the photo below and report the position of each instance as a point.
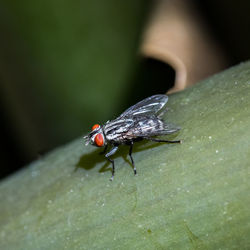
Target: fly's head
(96, 136)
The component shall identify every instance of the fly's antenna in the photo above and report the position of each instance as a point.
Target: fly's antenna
(86, 138)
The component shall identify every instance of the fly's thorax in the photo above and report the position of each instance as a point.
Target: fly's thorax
(115, 130)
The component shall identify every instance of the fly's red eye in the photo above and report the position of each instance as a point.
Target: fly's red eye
(95, 126)
(99, 141)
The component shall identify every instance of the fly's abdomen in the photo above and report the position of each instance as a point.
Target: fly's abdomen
(146, 126)
(150, 126)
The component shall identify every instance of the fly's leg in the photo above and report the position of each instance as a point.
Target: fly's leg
(159, 140)
(130, 154)
(104, 150)
(111, 152)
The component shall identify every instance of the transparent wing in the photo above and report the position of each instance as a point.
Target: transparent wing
(150, 126)
(149, 106)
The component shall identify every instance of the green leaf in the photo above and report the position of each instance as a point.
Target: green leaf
(73, 59)
(189, 196)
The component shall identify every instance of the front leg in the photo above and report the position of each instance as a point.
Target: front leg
(111, 152)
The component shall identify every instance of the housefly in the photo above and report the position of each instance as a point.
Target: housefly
(141, 121)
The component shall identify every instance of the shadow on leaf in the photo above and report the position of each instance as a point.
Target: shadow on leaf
(88, 161)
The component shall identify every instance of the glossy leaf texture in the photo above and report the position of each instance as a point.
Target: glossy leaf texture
(189, 196)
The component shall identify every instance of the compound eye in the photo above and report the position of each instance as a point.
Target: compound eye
(99, 140)
(95, 126)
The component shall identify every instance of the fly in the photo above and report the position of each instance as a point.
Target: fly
(140, 121)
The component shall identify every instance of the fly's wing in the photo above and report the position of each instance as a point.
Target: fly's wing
(149, 106)
(149, 127)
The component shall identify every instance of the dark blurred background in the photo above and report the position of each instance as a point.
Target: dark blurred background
(65, 65)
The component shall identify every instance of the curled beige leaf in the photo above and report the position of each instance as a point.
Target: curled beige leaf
(176, 35)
